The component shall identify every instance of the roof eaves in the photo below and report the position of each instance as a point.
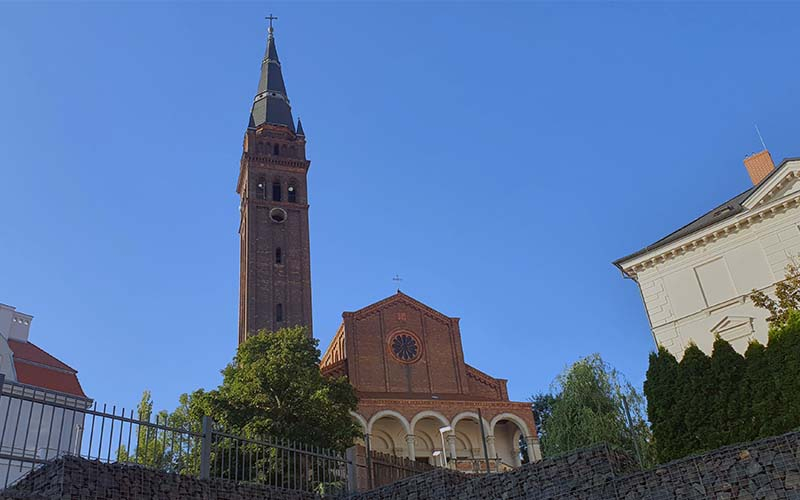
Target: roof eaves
(675, 235)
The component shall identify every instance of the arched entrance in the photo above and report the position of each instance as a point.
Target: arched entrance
(427, 438)
(387, 431)
(507, 429)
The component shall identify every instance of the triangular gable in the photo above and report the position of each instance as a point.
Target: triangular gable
(733, 327)
(400, 298)
(783, 182)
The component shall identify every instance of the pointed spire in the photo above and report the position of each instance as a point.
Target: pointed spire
(300, 127)
(271, 104)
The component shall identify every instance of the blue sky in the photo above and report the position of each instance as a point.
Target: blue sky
(497, 156)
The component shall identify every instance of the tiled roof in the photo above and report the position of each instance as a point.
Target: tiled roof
(37, 368)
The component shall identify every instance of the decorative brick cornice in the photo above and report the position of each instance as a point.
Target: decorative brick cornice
(401, 298)
(482, 378)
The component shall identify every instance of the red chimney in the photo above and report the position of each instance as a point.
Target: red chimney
(759, 165)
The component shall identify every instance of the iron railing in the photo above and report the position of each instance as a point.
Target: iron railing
(39, 426)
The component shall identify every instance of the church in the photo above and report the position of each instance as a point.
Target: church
(418, 398)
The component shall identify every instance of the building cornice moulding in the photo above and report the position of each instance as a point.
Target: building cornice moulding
(713, 233)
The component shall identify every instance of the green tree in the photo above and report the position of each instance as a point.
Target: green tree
(694, 400)
(661, 390)
(589, 407)
(763, 391)
(152, 445)
(783, 355)
(274, 387)
(787, 297)
(542, 406)
(272, 393)
(731, 403)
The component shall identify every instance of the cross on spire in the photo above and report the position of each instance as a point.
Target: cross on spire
(271, 18)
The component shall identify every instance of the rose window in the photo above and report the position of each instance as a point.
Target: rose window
(405, 347)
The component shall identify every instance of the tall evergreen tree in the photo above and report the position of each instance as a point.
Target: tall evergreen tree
(763, 391)
(694, 399)
(731, 408)
(660, 388)
(783, 355)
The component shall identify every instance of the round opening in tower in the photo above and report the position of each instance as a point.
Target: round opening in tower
(277, 215)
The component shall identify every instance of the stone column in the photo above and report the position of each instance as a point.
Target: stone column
(451, 445)
(516, 458)
(534, 449)
(490, 447)
(412, 454)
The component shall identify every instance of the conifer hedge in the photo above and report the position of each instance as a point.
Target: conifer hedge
(702, 403)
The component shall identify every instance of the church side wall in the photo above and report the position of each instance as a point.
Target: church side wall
(692, 297)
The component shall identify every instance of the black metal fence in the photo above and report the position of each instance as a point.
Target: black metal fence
(39, 426)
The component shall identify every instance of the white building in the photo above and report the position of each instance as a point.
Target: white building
(41, 403)
(696, 282)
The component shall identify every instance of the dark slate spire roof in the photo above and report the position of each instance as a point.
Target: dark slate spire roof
(300, 127)
(271, 104)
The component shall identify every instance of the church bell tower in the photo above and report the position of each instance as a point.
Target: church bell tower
(275, 261)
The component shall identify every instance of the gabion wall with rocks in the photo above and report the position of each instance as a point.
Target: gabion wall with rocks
(72, 478)
(768, 469)
(583, 474)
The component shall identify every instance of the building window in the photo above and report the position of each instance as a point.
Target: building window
(292, 194)
(279, 313)
(276, 191)
(276, 150)
(278, 256)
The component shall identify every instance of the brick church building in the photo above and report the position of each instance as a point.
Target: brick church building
(418, 398)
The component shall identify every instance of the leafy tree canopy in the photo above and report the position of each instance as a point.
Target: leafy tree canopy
(787, 297)
(588, 406)
(274, 387)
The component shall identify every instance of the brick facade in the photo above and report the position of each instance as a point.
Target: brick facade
(406, 363)
(275, 269)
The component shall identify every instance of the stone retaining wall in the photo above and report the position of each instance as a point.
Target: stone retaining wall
(73, 478)
(584, 474)
(768, 469)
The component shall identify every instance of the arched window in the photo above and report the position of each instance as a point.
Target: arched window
(278, 256)
(276, 190)
(276, 150)
(261, 189)
(292, 194)
(279, 313)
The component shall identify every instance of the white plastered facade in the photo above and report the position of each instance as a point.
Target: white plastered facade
(699, 286)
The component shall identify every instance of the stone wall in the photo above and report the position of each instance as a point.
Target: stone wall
(584, 474)
(73, 478)
(766, 469)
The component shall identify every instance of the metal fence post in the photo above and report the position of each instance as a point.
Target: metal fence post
(205, 448)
